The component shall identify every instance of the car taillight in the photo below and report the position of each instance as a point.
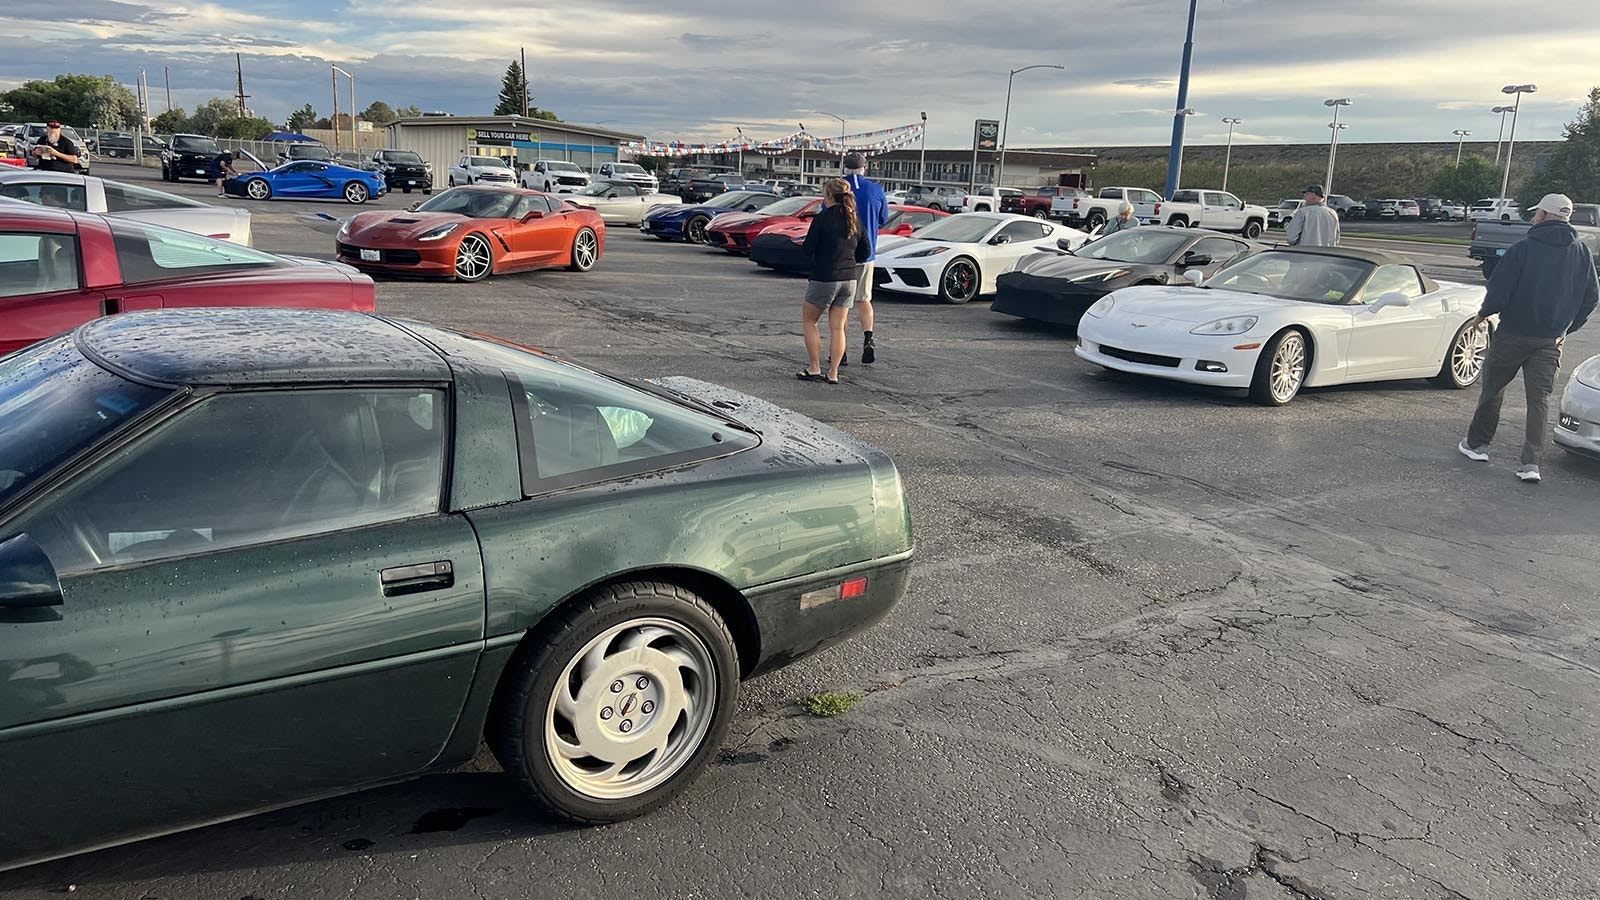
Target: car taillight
(1157, 210)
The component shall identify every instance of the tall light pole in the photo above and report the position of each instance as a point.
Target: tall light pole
(841, 138)
(1461, 137)
(741, 149)
(1005, 121)
(1333, 145)
(802, 152)
(337, 72)
(1227, 159)
(922, 163)
(1501, 111)
(1511, 141)
(1175, 156)
(1182, 115)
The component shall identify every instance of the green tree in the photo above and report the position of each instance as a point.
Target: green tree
(1476, 177)
(1574, 168)
(302, 118)
(244, 129)
(511, 91)
(79, 100)
(379, 113)
(173, 121)
(408, 112)
(212, 113)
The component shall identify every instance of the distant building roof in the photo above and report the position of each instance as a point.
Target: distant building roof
(514, 121)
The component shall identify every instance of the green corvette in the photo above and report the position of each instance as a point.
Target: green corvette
(250, 558)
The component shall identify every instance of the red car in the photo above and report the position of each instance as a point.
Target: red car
(59, 269)
(470, 233)
(734, 232)
(778, 246)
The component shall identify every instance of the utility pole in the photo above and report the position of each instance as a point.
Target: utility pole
(1175, 155)
(524, 82)
(238, 61)
(1227, 161)
(333, 118)
(166, 76)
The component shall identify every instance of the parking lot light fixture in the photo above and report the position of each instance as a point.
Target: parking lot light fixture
(802, 142)
(841, 138)
(1333, 145)
(1500, 138)
(1005, 120)
(1227, 159)
(1461, 137)
(922, 163)
(1511, 140)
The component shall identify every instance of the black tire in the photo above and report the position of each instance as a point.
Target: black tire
(694, 230)
(1096, 219)
(405, 190)
(1463, 359)
(584, 239)
(517, 732)
(1041, 214)
(1261, 384)
(982, 207)
(1253, 229)
(1504, 217)
(427, 192)
(964, 288)
(936, 206)
(1488, 266)
(1179, 222)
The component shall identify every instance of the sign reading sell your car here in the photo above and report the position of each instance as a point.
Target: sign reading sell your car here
(491, 136)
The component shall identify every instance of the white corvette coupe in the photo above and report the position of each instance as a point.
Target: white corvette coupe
(959, 258)
(1291, 318)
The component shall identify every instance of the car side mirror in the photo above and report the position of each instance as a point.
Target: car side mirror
(612, 195)
(1195, 259)
(28, 579)
(533, 214)
(1393, 298)
(751, 208)
(999, 239)
(1195, 278)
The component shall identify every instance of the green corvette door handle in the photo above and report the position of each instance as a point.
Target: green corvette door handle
(431, 576)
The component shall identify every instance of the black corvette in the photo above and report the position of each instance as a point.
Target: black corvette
(1059, 287)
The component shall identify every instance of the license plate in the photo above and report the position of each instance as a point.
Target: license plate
(200, 171)
(411, 182)
(1500, 251)
(370, 256)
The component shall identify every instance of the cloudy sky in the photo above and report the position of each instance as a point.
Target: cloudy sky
(693, 69)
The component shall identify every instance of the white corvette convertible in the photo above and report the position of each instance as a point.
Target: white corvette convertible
(1291, 318)
(959, 258)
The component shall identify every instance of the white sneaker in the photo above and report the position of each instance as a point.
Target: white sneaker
(1529, 474)
(1472, 453)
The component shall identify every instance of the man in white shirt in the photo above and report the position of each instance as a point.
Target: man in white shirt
(1314, 224)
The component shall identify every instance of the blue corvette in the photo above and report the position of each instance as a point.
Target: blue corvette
(307, 179)
(688, 222)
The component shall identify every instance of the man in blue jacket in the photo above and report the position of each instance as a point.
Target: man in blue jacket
(873, 210)
(1543, 289)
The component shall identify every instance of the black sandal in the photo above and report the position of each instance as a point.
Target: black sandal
(828, 380)
(810, 376)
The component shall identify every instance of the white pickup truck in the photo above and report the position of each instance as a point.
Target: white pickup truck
(1216, 210)
(1088, 213)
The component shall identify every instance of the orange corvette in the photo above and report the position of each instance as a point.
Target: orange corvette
(470, 233)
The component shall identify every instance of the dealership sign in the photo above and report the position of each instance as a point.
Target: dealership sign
(492, 136)
(985, 135)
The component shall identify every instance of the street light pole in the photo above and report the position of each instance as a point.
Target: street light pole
(1227, 159)
(1499, 138)
(841, 139)
(741, 149)
(1333, 146)
(802, 152)
(1175, 156)
(1511, 141)
(922, 163)
(1461, 137)
(1005, 122)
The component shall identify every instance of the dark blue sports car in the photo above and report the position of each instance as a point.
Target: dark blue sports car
(688, 222)
(306, 179)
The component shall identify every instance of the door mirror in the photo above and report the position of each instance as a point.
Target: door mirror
(27, 577)
(1393, 298)
(533, 214)
(1194, 259)
(751, 208)
(1064, 244)
(1195, 277)
(1000, 239)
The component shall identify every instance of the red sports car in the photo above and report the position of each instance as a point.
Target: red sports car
(734, 232)
(59, 269)
(470, 233)
(778, 245)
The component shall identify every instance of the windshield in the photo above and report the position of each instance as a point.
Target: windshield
(401, 156)
(308, 151)
(562, 167)
(474, 204)
(730, 200)
(486, 161)
(628, 169)
(56, 404)
(1136, 245)
(598, 189)
(1295, 276)
(788, 207)
(965, 229)
(195, 145)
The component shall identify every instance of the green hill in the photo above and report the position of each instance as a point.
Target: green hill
(1268, 173)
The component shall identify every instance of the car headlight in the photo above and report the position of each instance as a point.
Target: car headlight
(1230, 325)
(1102, 307)
(926, 252)
(344, 227)
(440, 233)
(1103, 276)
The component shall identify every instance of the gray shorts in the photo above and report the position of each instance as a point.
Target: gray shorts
(829, 294)
(864, 284)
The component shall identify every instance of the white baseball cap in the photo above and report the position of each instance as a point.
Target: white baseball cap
(1555, 205)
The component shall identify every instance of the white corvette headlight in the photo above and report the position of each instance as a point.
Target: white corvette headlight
(1102, 306)
(928, 251)
(1230, 325)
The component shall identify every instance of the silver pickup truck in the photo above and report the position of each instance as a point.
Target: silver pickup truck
(1490, 239)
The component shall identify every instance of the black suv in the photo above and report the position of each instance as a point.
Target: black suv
(404, 170)
(189, 156)
(1430, 208)
(120, 144)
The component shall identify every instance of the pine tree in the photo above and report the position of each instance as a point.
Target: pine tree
(302, 118)
(511, 88)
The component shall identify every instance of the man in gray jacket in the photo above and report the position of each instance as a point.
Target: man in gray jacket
(1314, 224)
(1543, 289)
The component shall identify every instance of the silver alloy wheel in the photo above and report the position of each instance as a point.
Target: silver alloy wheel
(258, 190)
(355, 192)
(631, 709)
(1288, 367)
(473, 258)
(1466, 356)
(585, 250)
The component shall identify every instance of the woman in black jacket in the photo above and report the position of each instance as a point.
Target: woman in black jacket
(837, 246)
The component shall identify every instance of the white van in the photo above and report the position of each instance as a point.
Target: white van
(1503, 208)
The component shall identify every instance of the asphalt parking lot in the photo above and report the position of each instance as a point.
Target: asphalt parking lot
(1159, 642)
